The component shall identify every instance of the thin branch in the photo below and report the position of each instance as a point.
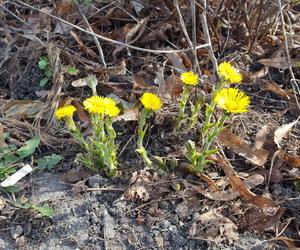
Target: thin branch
(108, 39)
(208, 40)
(100, 51)
(192, 46)
(287, 51)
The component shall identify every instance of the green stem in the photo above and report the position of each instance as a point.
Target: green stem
(183, 100)
(141, 134)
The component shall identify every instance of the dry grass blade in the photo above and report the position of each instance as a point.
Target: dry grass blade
(282, 131)
(2, 142)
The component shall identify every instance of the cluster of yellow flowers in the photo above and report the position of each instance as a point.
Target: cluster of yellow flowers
(101, 106)
(230, 73)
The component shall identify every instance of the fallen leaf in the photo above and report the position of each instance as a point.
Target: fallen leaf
(275, 88)
(261, 137)
(238, 186)
(228, 195)
(278, 62)
(177, 62)
(281, 132)
(171, 87)
(289, 242)
(84, 48)
(239, 146)
(256, 219)
(74, 177)
(128, 115)
(23, 109)
(215, 227)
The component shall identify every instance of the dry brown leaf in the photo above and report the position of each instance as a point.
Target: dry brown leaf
(228, 195)
(259, 74)
(171, 87)
(177, 61)
(278, 62)
(213, 226)
(85, 49)
(288, 241)
(239, 146)
(81, 112)
(238, 186)
(74, 177)
(292, 161)
(261, 137)
(275, 88)
(19, 109)
(281, 132)
(128, 115)
(256, 219)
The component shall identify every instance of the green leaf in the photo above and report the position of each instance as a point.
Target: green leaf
(44, 81)
(43, 62)
(12, 189)
(71, 70)
(29, 148)
(6, 135)
(44, 210)
(48, 162)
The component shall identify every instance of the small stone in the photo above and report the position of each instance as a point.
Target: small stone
(27, 229)
(16, 232)
(195, 216)
(2, 244)
(2, 204)
(178, 240)
(163, 205)
(164, 224)
(20, 242)
(96, 181)
(174, 220)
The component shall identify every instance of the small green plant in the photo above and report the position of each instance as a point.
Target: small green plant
(11, 156)
(71, 70)
(43, 210)
(100, 150)
(230, 101)
(151, 103)
(47, 72)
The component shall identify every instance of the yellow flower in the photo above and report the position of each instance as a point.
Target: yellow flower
(112, 111)
(189, 78)
(232, 100)
(229, 72)
(151, 101)
(66, 111)
(101, 105)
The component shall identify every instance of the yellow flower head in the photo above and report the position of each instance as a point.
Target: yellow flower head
(232, 100)
(112, 111)
(230, 73)
(189, 78)
(151, 101)
(65, 111)
(101, 105)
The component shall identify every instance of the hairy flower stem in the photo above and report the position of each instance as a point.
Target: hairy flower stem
(207, 141)
(141, 134)
(184, 98)
(111, 155)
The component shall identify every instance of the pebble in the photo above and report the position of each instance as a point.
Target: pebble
(178, 240)
(96, 181)
(174, 220)
(16, 231)
(164, 224)
(20, 242)
(2, 204)
(2, 244)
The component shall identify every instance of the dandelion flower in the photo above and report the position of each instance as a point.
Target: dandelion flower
(189, 78)
(229, 72)
(151, 101)
(66, 111)
(112, 111)
(95, 104)
(232, 100)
